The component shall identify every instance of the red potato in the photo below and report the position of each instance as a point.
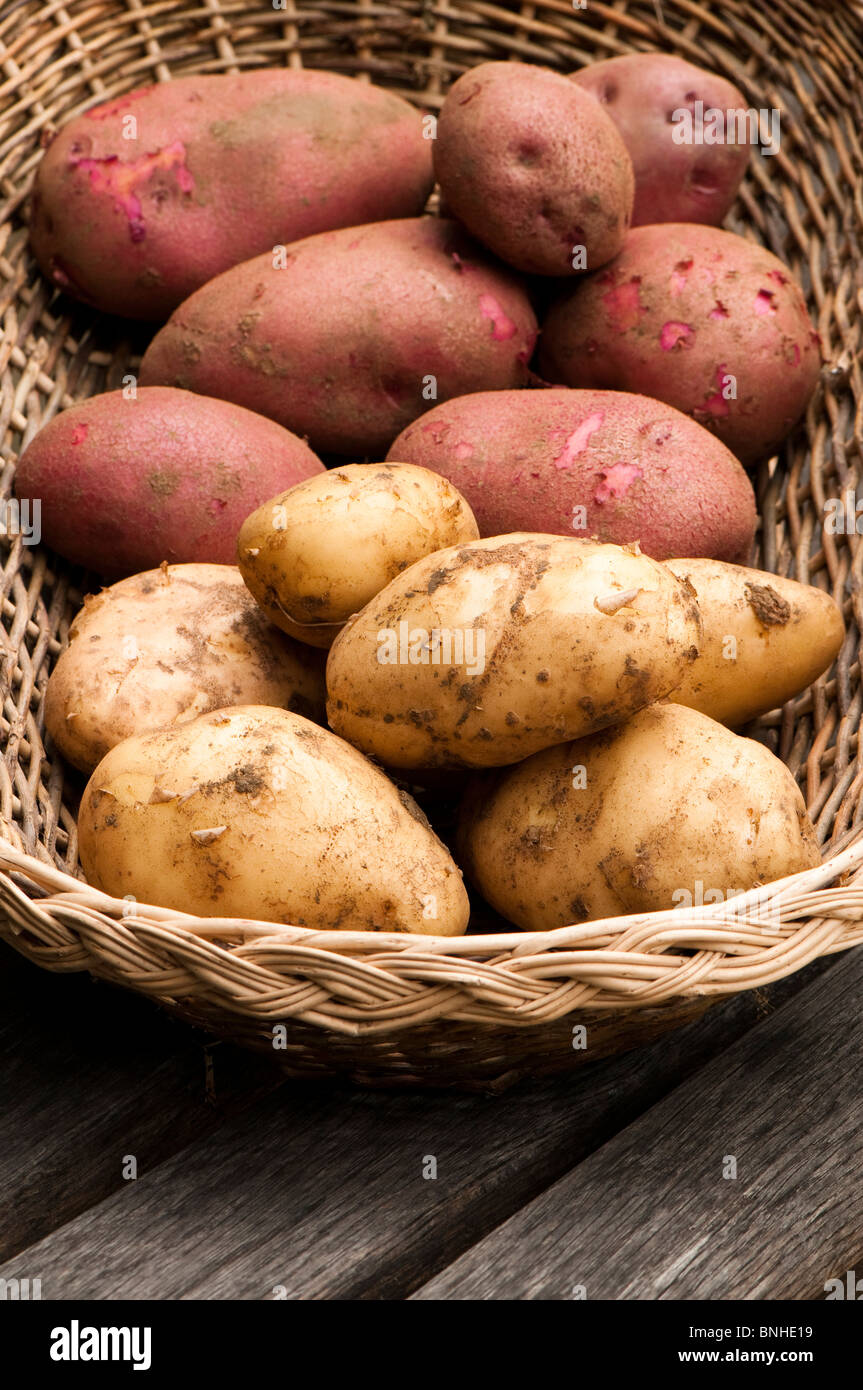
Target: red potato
(533, 168)
(589, 463)
(699, 318)
(674, 182)
(124, 484)
(141, 200)
(353, 333)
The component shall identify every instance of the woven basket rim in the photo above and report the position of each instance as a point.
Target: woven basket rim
(639, 969)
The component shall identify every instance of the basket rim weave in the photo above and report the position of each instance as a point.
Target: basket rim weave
(359, 983)
(370, 984)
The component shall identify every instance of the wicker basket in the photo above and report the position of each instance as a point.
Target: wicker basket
(487, 1008)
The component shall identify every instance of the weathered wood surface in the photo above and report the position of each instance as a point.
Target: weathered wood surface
(315, 1191)
(89, 1074)
(650, 1215)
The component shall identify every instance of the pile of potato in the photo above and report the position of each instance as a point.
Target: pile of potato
(356, 562)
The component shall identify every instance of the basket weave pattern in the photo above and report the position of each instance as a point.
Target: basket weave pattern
(379, 1006)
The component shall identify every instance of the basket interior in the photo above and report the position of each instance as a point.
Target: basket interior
(805, 204)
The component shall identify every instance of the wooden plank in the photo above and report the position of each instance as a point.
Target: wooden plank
(650, 1214)
(89, 1074)
(322, 1194)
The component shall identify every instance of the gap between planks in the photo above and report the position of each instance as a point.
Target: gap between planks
(650, 1214)
(319, 1192)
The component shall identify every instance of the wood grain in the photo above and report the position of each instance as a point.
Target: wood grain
(89, 1074)
(650, 1215)
(322, 1194)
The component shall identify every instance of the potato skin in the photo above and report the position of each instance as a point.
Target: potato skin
(766, 638)
(160, 648)
(256, 812)
(533, 167)
(673, 182)
(678, 311)
(319, 552)
(641, 471)
(340, 344)
(570, 636)
(669, 809)
(125, 484)
(222, 169)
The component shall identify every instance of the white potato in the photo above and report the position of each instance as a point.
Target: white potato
(162, 647)
(483, 653)
(320, 551)
(765, 639)
(256, 812)
(667, 810)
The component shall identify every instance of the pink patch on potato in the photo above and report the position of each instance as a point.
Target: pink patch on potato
(616, 481)
(624, 304)
(717, 404)
(79, 434)
(123, 180)
(764, 302)
(679, 276)
(112, 108)
(437, 432)
(719, 311)
(675, 335)
(463, 450)
(579, 440)
(502, 326)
